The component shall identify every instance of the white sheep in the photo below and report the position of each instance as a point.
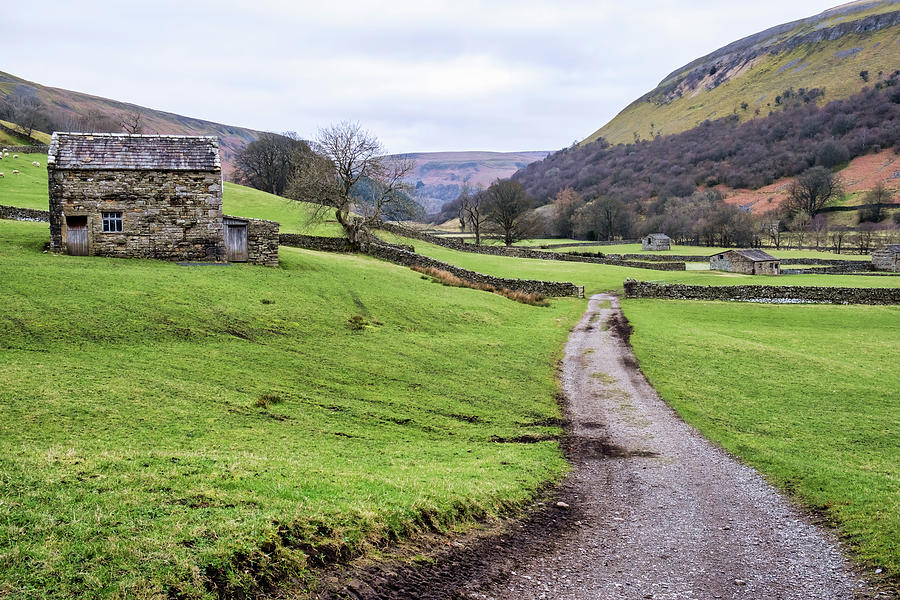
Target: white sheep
(35, 163)
(15, 156)
(15, 171)
(2, 175)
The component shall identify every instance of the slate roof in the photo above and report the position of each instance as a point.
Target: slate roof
(892, 248)
(659, 236)
(752, 254)
(123, 151)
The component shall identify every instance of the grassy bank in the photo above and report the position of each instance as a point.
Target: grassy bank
(600, 278)
(809, 395)
(167, 429)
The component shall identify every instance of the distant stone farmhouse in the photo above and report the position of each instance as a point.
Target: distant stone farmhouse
(656, 241)
(148, 196)
(887, 258)
(751, 262)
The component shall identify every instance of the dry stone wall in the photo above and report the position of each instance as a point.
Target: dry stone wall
(763, 293)
(169, 215)
(23, 214)
(519, 252)
(37, 149)
(404, 255)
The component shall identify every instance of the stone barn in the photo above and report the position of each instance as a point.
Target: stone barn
(147, 196)
(751, 262)
(656, 241)
(887, 258)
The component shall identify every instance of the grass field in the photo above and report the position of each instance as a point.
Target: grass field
(161, 422)
(602, 278)
(809, 395)
(29, 190)
(704, 251)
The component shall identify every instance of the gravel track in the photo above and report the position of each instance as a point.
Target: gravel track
(654, 510)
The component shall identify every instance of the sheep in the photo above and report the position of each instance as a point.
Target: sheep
(35, 163)
(2, 175)
(15, 171)
(15, 156)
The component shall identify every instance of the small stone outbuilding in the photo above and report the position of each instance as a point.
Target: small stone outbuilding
(148, 196)
(750, 261)
(887, 258)
(656, 241)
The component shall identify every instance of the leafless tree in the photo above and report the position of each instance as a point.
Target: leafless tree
(475, 215)
(876, 198)
(26, 111)
(813, 190)
(268, 162)
(462, 200)
(132, 122)
(507, 209)
(565, 203)
(344, 156)
(819, 228)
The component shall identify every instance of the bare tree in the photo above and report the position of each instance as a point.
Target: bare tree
(268, 163)
(507, 210)
(26, 111)
(344, 156)
(462, 200)
(475, 213)
(602, 218)
(876, 199)
(132, 122)
(565, 203)
(813, 190)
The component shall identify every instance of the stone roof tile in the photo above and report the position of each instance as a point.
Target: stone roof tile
(115, 151)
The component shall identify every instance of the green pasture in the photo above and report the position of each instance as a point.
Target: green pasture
(807, 394)
(601, 278)
(166, 427)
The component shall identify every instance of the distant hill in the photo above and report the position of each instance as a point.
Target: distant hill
(838, 52)
(66, 105)
(438, 175)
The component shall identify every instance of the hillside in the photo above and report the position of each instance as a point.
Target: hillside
(67, 105)
(438, 175)
(830, 51)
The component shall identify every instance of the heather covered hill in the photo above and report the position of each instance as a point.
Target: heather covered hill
(728, 152)
(839, 52)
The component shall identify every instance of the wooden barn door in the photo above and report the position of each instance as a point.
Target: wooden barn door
(235, 240)
(77, 236)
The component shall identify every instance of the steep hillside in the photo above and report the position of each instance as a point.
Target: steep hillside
(69, 105)
(839, 51)
(438, 175)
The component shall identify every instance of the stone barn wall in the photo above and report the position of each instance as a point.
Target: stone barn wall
(885, 259)
(169, 215)
(262, 241)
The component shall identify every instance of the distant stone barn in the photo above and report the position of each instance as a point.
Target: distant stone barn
(750, 262)
(887, 258)
(656, 241)
(148, 196)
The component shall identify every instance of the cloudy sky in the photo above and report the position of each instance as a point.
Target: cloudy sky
(422, 75)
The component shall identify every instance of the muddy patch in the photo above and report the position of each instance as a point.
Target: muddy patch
(598, 449)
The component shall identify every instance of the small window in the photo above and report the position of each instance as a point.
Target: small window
(112, 222)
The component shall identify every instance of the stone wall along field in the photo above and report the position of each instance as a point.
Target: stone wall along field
(520, 252)
(403, 255)
(15, 213)
(763, 293)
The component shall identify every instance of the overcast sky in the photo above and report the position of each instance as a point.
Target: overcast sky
(421, 75)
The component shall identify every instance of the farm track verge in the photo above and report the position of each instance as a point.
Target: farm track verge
(651, 510)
